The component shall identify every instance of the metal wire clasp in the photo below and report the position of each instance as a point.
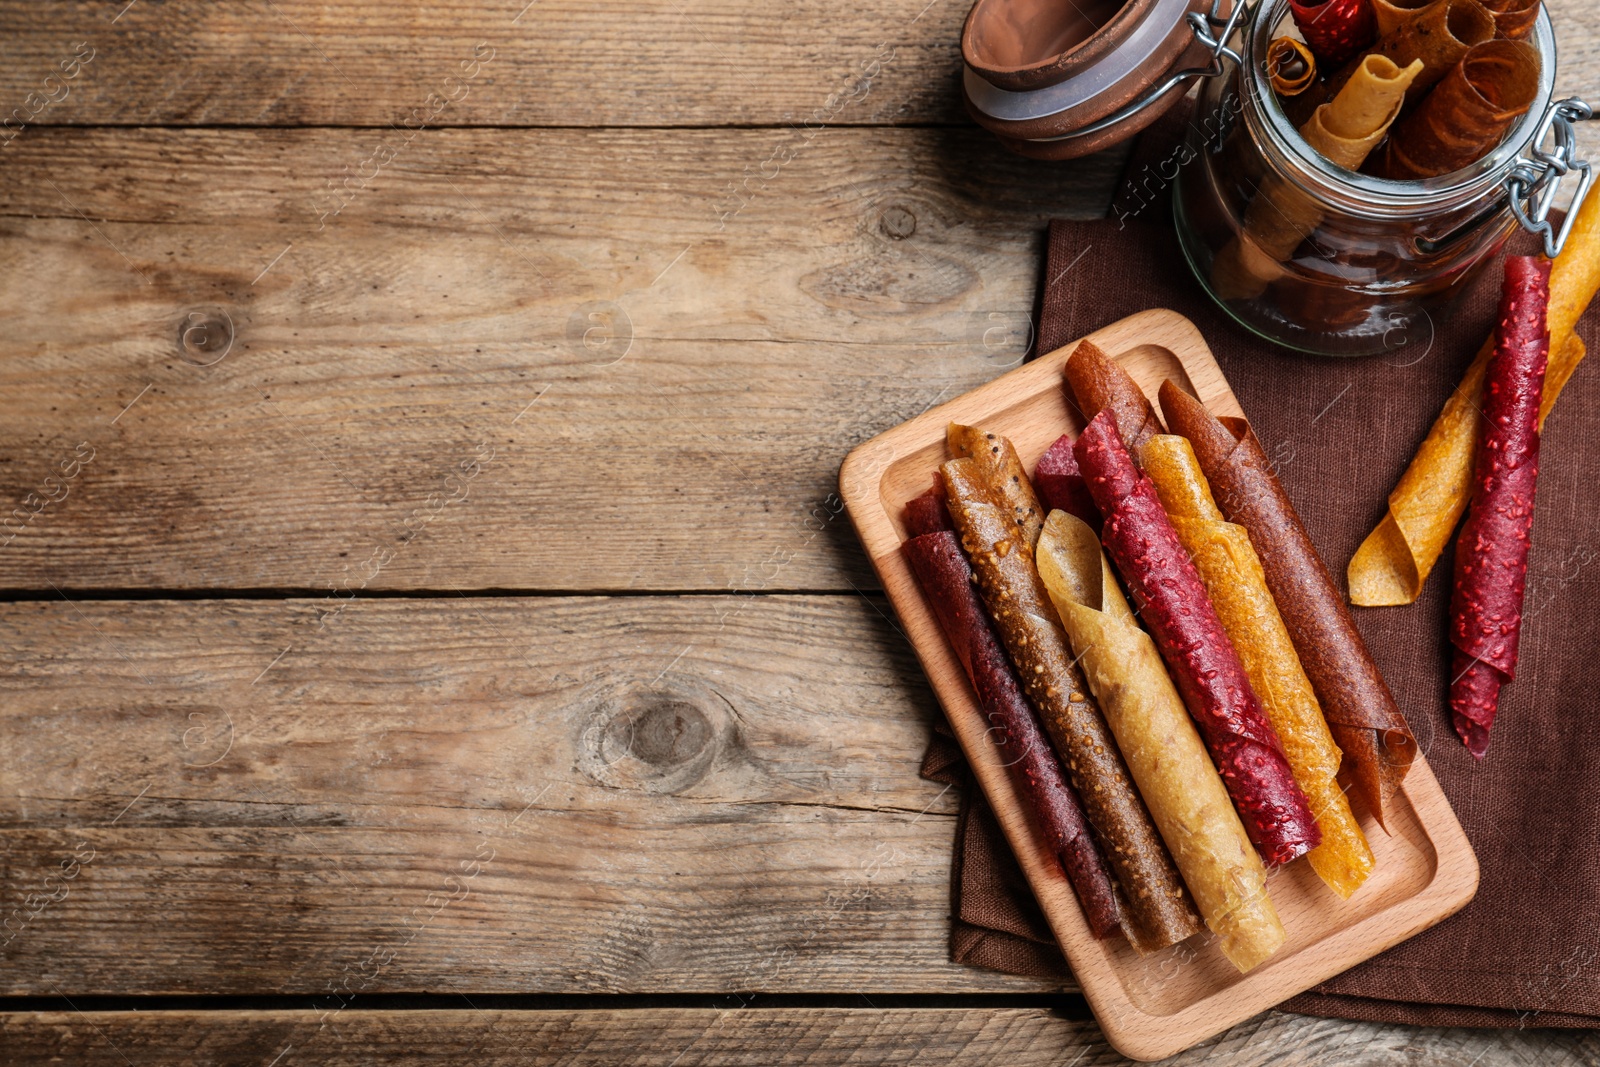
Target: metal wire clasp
(1534, 183)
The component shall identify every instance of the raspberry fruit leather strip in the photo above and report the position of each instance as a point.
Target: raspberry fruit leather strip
(1367, 726)
(1158, 912)
(1003, 470)
(1335, 29)
(1168, 760)
(1232, 574)
(1492, 554)
(1060, 483)
(946, 579)
(1172, 602)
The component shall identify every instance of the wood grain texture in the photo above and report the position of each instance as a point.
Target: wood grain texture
(295, 398)
(662, 795)
(1153, 1006)
(814, 1037)
(562, 63)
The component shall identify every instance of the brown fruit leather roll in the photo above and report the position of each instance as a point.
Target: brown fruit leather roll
(1439, 36)
(1492, 554)
(946, 579)
(1367, 726)
(1060, 484)
(1159, 912)
(1466, 116)
(1002, 468)
(1172, 602)
(1098, 382)
(1513, 19)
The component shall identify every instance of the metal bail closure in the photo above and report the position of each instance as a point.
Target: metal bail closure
(1534, 183)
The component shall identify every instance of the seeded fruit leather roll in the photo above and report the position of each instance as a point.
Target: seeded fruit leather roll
(1233, 577)
(1367, 726)
(934, 553)
(1002, 468)
(1168, 760)
(1158, 910)
(1492, 554)
(1171, 600)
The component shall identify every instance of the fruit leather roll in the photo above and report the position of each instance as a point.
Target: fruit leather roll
(1513, 19)
(1002, 468)
(1438, 36)
(1396, 558)
(1367, 726)
(1345, 131)
(1469, 113)
(1335, 29)
(1165, 755)
(1060, 484)
(946, 579)
(1172, 602)
(1291, 67)
(1233, 577)
(1098, 382)
(1492, 554)
(1158, 911)
(1392, 14)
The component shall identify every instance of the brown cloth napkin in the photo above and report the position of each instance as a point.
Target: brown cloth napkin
(1526, 951)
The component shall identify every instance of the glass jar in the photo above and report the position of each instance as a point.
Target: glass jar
(1378, 257)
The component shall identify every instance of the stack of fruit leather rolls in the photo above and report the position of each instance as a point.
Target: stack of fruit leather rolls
(1366, 724)
(1233, 577)
(1158, 909)
(1157, 738)
(1172, 601)
(934, 553)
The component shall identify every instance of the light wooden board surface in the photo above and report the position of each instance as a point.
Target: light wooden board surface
(814, 1037)
(562, 63)
(1147, 1006)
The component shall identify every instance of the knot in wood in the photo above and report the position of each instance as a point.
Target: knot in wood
(898, 222)
(205, 336)
(661, 742)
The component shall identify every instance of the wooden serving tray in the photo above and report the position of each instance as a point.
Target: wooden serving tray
(1158, 1005)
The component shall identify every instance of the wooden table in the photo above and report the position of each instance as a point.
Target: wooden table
(432, 633)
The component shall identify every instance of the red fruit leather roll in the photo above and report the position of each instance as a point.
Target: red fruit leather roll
(928, 513)
(1492, 554)
(1367, 725)
(946, 577)
(1172, 603)
(1059, 483)
(1336, 29)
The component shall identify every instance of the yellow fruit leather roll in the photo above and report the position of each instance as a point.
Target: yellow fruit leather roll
(1159, 742)
(1233, 576)
(1395, 560)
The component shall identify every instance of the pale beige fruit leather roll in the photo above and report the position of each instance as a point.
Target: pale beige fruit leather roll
(1345, 131)
(1168, 761)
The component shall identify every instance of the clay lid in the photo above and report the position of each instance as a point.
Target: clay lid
(1040, 71)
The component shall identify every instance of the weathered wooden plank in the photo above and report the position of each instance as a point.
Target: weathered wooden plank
(517, 794)
(556, 62)
(814, 1037)
(580, 317)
